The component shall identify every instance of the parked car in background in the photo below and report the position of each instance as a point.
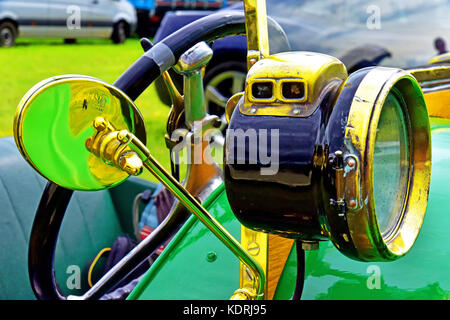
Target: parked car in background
(67, 19)
(151, 12)
(360, 33)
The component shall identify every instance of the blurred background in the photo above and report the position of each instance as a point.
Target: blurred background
(100, 38)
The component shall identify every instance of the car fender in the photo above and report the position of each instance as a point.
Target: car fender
(8, 15)
(130, 19)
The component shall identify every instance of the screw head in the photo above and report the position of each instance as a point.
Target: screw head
(253, 248)
(99, 124)
(352, 203)
(351, 162)
(211, 256)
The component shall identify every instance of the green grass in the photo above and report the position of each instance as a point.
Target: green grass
(33, 60)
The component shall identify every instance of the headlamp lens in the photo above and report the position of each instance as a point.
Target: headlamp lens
(262, 90)
(293, 90)
(390, 165)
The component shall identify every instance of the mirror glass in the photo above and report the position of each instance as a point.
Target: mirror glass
(55, 118)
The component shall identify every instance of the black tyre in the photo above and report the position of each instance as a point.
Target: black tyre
(8, 34)
(119, 34)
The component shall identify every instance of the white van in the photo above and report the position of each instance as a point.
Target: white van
(67, 19)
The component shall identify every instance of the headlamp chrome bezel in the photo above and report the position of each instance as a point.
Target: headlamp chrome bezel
(360, 133)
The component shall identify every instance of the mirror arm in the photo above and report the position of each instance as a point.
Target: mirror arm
(199, 211)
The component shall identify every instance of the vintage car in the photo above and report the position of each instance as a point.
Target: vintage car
(332, 186)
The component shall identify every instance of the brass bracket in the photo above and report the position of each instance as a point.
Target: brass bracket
(347, 183)
(112, 147)
(256, 244)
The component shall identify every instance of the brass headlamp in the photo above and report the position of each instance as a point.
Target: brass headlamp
(350, 155)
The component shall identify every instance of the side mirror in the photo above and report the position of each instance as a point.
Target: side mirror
(55, 118)
(84, 134)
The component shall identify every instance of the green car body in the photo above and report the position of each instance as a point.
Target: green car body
(184, 271)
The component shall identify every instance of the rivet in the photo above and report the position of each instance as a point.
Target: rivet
(252, 110)
(352, 203)
(253, 248)
(351, 162)
(296, 111)
(211, 256)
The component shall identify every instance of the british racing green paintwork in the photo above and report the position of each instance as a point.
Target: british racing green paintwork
(196, 265)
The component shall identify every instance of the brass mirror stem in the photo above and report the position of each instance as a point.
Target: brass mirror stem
(257, 31)
(131, 146)
(257, 48)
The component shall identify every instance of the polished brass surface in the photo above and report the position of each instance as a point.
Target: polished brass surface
(435, 83)
(231, 104)
(352, 188)
(54, 119)
(438, 103)
(442, 58)
(256, 244)
(175, 119)
(318, 72)
(243, 294)
(256, 30)
(432, 76)
(251, 95)
(360, 133)
(108, 144)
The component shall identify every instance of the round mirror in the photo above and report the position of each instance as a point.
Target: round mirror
(55, 118)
